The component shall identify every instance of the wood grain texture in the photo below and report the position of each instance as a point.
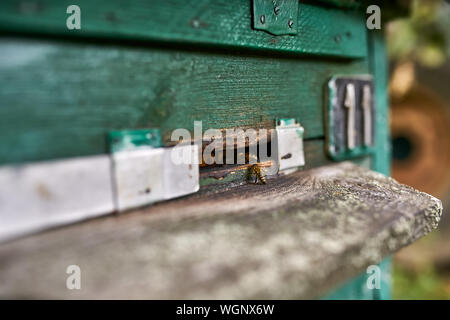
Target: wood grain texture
(60, 99)
(322, 30)
(344, 3)
(296, 237)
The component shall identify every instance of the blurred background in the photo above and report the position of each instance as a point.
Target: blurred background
(419, 51)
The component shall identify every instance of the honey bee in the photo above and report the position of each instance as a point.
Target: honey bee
(255, 172)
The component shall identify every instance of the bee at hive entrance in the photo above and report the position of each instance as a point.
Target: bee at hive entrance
(255, 175)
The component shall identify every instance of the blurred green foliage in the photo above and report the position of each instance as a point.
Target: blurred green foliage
(422, 36)
(424, 285)
(415, 274)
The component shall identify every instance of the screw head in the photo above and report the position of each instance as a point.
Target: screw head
(195, 23)
(276, 10)
(290, 23)
(262, 19)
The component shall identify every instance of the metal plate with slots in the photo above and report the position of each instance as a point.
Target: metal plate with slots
(289, 144)
(350, 117)
(278, 17)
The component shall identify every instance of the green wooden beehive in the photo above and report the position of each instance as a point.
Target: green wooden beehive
(137, 70)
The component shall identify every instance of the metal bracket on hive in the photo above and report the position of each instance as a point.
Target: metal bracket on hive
(289, 147)
(278, 17)
(144, 172)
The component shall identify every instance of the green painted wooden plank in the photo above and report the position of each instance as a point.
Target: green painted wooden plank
(344, 3)
(379, 67)
(356, 288)
(321, 30)
(60, 99)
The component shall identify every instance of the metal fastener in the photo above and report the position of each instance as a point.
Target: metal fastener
(276, 10)
(290, 23)
(262, 18)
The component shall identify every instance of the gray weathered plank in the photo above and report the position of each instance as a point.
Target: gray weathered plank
(296, 237)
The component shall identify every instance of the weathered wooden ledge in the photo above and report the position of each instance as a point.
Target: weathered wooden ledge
(296, 237)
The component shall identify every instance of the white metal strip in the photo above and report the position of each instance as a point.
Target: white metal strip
(46, 194)
(181, 171)
(138, 177)
(146, 175)
(41, 195)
